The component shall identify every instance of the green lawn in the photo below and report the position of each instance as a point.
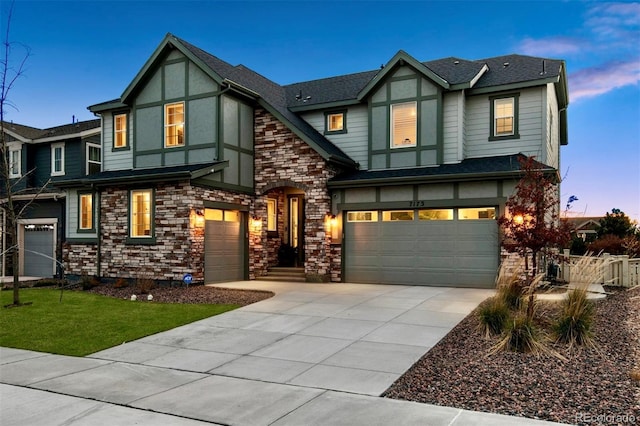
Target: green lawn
(84, 323)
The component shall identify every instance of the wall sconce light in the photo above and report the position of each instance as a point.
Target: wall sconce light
(197, 219)
(255, 224)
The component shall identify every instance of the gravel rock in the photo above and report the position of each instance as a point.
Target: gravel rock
(592, 386)
(191, 294)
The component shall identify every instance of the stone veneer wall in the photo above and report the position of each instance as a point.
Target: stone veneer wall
(179, 247)
(80, 259)
(282, 159)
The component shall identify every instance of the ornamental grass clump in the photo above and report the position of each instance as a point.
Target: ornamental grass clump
(510, 285)
(493, 316)
(573, 326)
(521, 335)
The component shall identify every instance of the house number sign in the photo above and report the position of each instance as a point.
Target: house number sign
(416, 203)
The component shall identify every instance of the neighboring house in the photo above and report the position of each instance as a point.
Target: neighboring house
(586, 228)
(393, 175)
(38, 160)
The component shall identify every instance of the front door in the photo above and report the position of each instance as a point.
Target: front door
(296, 225)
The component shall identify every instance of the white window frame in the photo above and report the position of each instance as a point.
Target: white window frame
(117, 131)
(13, 165)
(54, 147)
(88, 149)
(392, 126)
(168, 126)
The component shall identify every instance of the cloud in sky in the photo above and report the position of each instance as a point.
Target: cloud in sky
(594, 81)
(613, 31)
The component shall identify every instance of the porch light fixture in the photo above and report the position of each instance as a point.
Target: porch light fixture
(197, 218)
(255, 224)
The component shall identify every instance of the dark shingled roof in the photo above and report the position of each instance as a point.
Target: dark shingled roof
(472, 167)
(22, 130)
(453, 70)
(272, 93)
(163, 173)
(66, 129)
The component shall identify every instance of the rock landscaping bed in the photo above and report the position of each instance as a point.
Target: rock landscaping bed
(191, 294)
(592, 386)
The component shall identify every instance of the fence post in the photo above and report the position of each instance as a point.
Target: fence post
(607, 266)
(624, 279)
(566, 265)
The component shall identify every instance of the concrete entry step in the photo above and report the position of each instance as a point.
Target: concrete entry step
(281, 273)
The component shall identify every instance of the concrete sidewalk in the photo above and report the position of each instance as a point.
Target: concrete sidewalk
(313, 354)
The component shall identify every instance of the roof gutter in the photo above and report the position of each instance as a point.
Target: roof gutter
(403, 180)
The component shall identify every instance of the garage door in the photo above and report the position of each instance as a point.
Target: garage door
(435, 247)
(224, 258)
(39, 239)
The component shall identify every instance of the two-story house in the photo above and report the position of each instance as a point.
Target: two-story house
(394, 175)
(38, 160)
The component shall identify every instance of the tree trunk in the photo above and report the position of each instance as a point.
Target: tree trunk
(16, 267)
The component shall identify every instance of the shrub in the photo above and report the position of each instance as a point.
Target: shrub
(145, 284)
(121, 283)
(609, 243)
(574, 324)
(493, 316)
(87, 282)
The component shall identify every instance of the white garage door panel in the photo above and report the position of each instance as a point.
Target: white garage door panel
(439, 253)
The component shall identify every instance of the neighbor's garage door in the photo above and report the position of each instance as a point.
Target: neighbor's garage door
(224, 258)
(39, 242)
(444, 247)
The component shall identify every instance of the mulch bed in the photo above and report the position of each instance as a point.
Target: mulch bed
(190, 294)
(593, 386)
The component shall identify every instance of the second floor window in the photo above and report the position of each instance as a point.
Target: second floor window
(94, 154)
(120, 131)
(15, 163)
(336, 122)
(57, 159)
(404, 125)
(174, 124)
(503, 117)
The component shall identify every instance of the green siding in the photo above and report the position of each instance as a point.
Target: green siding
(152, 91)
(149, 129)
(201, 121)
(199, 82)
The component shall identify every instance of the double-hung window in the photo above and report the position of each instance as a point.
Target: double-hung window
(174, 125)
(504, 117)
(57, 159)
(120, 131)
(404, 125)
(94, 154)
(140, 213)
(15, 163)
(85, 212)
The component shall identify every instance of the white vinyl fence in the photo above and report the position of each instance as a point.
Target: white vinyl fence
(613, 270)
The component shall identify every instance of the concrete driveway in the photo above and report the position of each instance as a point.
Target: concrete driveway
(312, 354)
